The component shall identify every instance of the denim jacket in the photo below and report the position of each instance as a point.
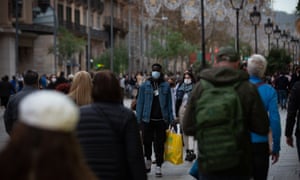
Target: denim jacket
(145, 98)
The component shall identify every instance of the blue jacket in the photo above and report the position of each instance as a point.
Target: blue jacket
(145, 98)
(269, 98)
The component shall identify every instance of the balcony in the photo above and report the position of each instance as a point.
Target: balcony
(36, 28)
(95, 5)
(118, 24)
(81, 30)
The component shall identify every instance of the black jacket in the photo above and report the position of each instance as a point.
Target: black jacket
(293, 108)
(12, 110)
(109, 136)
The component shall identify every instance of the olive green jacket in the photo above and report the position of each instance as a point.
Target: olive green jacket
(255, 117)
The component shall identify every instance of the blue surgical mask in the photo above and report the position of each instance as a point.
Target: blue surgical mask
(155, 74)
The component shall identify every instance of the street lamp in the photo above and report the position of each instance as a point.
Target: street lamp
(255, 18)
(268, 30)
(237, 5)
(277, 33)
(284, 36)
(294, 44)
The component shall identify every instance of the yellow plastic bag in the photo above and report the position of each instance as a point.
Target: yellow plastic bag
(173, 147)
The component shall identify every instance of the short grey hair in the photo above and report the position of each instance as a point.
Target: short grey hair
(257, 65)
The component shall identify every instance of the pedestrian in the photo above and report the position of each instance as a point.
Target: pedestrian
(61, 78)
(80, 88)
(171, 81)
(31, 79)
(43, 82)
(43, 144)
(282, 85)
(5, 90)
(293, 118)
(223, 107)
(52, 82)
(154, 114)
(20, 80)
(183, 92)
(108, 132)
(14, 83)
(295, 77)
(256, 68)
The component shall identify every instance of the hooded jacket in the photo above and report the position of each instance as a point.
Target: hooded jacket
(255, 116)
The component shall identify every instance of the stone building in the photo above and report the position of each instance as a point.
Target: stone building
(37, 23)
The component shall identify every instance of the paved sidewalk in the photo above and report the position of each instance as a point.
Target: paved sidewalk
(287, 168)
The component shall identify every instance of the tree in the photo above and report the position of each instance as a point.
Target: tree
(172, 45)
(278, 60)
(120, 58)
(68, 45)
(298, 8)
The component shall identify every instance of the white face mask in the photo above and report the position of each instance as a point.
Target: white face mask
(155, 74)
(53, 80)
(187, 81)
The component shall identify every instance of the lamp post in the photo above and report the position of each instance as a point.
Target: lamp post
(111, 36)
(268, 30)
(277, 33)
(237, 5)
(284, 36)
(89, 37)
(255, 18)
(17, 32)
(91, 64)
(296, 44)
(203, 33)
(130, 4)
(293, 42)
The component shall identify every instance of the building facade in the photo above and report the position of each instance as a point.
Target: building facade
(37, 23)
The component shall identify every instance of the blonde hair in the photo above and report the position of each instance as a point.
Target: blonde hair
(257, 65)
(81, 88)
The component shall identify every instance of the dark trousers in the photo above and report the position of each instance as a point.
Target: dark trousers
(154, 132)
(4, 101)
(260, 160)
(282, 96)
(298, 145)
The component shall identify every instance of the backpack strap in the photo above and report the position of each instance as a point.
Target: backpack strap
(206, 84)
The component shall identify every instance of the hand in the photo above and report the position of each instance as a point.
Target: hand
(289, 141)
(176, 120)
(275, 157)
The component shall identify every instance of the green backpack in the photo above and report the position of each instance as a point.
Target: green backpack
(219, 122)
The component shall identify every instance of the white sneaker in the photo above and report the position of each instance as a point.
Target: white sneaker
(158, 171)
(148, 164)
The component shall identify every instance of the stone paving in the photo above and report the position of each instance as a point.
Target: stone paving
(287, 168)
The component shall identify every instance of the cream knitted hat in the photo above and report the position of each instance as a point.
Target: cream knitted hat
(49, 110)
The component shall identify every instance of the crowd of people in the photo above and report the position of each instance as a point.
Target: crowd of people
(79, 123)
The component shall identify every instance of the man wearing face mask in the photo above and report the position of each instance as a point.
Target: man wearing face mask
(154, 114)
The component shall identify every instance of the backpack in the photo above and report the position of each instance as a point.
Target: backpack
(219, 122)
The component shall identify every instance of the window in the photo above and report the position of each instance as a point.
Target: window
(69, 14)
(60, 12)
(20, 8)
(99, 21)
(84, 18)
(77, 17)
(92, 20)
